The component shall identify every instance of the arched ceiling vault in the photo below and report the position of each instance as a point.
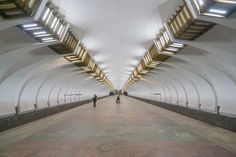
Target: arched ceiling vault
(116, 33)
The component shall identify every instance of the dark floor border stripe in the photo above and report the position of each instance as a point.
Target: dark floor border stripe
(12, 121)
(221, 121)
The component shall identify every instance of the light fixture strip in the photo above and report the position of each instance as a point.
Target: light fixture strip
(49, 17)
(32, 25)
(46, 13)
(54, 22)
(57, 25)
(226, 1)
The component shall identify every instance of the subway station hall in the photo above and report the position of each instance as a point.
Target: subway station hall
(117, 78)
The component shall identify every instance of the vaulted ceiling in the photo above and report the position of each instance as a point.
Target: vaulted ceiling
(116, 32)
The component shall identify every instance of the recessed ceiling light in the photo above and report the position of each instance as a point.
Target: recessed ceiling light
(50, 38)
(172, 49)
(177, 45)
(227, 1)
(47, 41)
(41, 32)
(43, 35)
(54, 22)
(33, 28)
(30, 25)
(167, 52)
(46, 14)
(217, 11)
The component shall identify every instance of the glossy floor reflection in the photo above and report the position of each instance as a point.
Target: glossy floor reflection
(130, 129)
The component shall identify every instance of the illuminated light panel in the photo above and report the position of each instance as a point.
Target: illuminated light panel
(46, 14)
(58, 21)
(48, 17)
(226, 1)
(47, 41)
(59, 30)
(50, 38)
(30, 25)
(43, 35)
(167, 52)
(61, 33)
(214, 15)
(207, 7)
(172, 49)
(41, 32)
(54, 22)
(34, 28)
(217, 11)
(177, 45)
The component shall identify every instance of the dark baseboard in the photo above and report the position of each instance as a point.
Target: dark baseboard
(12, 121)
(218, 120)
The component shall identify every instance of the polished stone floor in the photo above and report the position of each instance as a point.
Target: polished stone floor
(129, 129)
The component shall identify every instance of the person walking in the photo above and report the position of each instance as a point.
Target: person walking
(118, 99)
(94, 100)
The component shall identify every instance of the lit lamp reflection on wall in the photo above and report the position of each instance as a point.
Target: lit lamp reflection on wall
(185, 26)
(215, 8)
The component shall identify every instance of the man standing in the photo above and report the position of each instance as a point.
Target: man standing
(94, 100)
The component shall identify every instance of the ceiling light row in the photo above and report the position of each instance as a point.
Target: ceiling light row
(50, 27)
(18, 8)
(82, 59)
(162, 49)
(185, 25)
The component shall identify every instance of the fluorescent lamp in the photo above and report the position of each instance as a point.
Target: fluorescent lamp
(54, 22)
(216, 11)
(214, 15)
(30, 25)
(49, 17)
(158, 45)
(177, 45)
(43, 35)
(49, 38)
(61, 32)
(227, 1)
(47, 41)
(162, 41)
(46, 14)
(41, 32)
(166, 36)
(167, 52)
(56, 25)
(172, 49)
(33, 28)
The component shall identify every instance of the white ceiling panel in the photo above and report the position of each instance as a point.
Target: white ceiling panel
(116, 32)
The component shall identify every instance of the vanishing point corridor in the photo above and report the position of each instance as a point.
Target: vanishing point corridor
(129, 129)
(171, 62)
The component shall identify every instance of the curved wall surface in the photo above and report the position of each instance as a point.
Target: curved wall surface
(32, 75)
(201, 76)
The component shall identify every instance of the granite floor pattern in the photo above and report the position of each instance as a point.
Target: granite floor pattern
(129, 129)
